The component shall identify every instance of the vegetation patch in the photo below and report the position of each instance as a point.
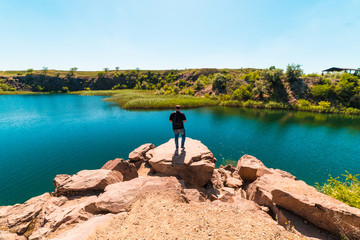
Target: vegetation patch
(140, 99)
(345, 189)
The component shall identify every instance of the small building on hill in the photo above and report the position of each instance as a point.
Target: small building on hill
(353, 71)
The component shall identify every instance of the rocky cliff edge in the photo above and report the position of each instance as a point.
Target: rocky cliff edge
(164, 193)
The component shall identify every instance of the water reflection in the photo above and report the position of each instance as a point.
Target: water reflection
(285, 117)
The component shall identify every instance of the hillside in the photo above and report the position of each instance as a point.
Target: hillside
(259, 88)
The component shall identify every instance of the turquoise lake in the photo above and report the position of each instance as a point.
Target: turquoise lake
(45, 135)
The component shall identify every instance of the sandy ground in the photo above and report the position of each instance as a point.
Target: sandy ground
(167, 216)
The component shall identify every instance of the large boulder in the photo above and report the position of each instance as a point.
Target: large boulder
(120, 196)
(18, 218)
(140, 152)
(84, 230)
(61, 213)
(4, 235)
(233, 182)
(128, 170)
(194, 164)
(85, 181)
(250, 168)
(275, 189)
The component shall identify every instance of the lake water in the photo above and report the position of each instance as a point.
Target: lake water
(45, 135)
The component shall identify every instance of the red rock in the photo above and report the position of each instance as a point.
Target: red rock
(216, 179)
(233, 182)
(296, 196)
(84, 230)
(194, 164)
(140, 152)
(17, 218)
(4, 235)
(85, 181)
(250, 168)
(127, 169)
(193, 195)
(59, 213)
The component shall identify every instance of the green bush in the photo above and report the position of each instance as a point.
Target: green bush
(176, 89)
(160, 92)
(101, 74)
(276, 105)
(321, 92)
(351, 110)
(205, 80)
(87, 89)
(315, 75)
(324, 104)
(355, 101)
(242, 93)
(144, 85)
(347, 190)
(38, 88)
(272, 75)
(12, 89)
(344, 89)
(219, 83)
(29, 71)
(4, 87)
(303, 104)
(251, 77)
(199, 84)
(349, 77)
(261, 89)
(64, 89)
(293, 72)
(182, 83)
(188, 91)
(253, 104)
(224, 97)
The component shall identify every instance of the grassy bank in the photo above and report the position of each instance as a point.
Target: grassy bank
(300, 105)
(141, 99)
(18, 92)
(345, 188)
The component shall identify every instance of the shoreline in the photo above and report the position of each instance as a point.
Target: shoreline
(275, 197)
(166, 102)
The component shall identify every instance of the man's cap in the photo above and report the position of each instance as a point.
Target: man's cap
(177, 107)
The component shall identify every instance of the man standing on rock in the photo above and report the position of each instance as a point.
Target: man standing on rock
(178, 118)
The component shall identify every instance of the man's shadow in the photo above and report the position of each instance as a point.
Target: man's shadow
(179, 159)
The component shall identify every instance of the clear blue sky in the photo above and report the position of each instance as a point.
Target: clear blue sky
(169, 34)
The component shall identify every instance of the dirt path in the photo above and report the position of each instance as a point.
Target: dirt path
(167, 216)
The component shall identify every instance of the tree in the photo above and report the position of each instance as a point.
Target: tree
(72, 71)
(117, 69)
(106, 70)
(29, 71)
(293, 72)
(219, 83)
(272, 75)
(344, 89)
(45, 70)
